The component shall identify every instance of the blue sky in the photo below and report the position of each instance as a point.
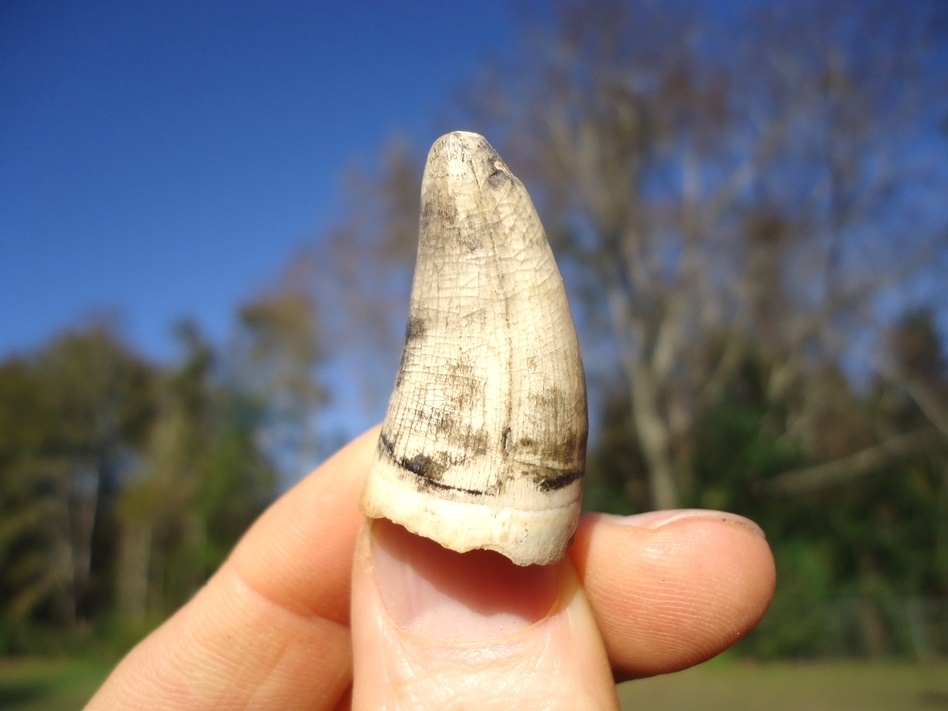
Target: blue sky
(165, 159)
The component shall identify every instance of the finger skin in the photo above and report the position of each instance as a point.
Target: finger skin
(270, 629)
(557, 662)
(668, 598)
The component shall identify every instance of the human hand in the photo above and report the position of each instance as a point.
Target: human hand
(315, 609)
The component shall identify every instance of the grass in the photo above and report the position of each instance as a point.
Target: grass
(65, 684)
(815, 686)
(49, 684)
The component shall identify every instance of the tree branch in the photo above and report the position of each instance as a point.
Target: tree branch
(845, 469)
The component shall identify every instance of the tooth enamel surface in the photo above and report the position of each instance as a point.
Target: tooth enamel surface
(484, 440)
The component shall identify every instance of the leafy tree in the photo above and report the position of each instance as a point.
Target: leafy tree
(71, 417)
(277, 350)
(201, 480)
(860, 548)
(123, 485)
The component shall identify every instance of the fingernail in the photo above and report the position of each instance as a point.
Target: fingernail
(469, 597)
(657, 519)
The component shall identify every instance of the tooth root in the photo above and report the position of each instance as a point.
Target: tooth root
(484, 440)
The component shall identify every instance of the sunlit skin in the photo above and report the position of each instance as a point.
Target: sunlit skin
(317, 609)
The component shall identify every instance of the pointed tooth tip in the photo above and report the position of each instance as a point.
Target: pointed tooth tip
(461, 145)
(467, 138)
(461, 157)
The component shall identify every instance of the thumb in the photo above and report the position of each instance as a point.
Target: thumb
(437, 629)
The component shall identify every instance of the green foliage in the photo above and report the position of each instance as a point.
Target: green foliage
(200, 481)
(861, 562)
(615, 471)
(849, 557)
(736, 445)
(50, 684)
(69, 417)
(803, 620)
(124, 485)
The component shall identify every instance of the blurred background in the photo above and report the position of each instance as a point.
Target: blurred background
(208, 217)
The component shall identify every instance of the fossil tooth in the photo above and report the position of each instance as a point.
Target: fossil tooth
(484, 440)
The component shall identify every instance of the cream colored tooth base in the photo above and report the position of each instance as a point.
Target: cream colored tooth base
(484, 441)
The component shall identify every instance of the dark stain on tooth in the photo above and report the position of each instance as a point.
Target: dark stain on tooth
(467, 390)
(559, 481)
(561, 411)
(437, 211)
(564, 452)
(428, 473)
(431, 484)
(476, 444)
(499, 176)
(420, 465)
(404, 360)
(447, 211)
(415, 329)
(505, 441)
(424, 466)
(386, 445)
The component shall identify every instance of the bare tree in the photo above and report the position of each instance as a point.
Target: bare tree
(717, 187)
(360, 273)
(274, 356)
(721, 185)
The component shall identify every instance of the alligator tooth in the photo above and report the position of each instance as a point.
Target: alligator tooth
(484, 441)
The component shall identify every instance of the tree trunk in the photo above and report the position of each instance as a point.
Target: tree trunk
(133, 571)
(654, 436)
